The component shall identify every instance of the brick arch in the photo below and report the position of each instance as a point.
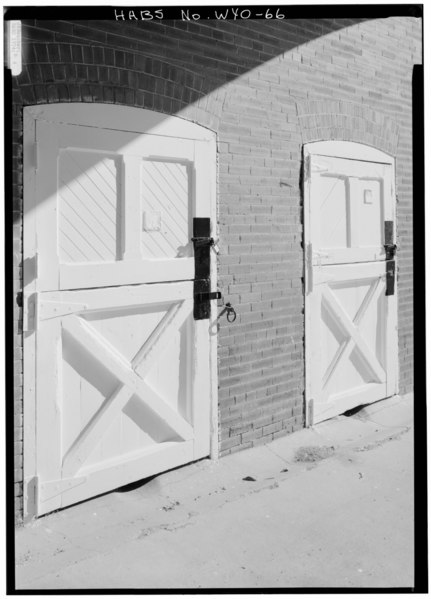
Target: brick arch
(331, 120)
(124, 78)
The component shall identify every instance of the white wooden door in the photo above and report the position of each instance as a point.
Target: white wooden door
(119, 374)
(351, 321)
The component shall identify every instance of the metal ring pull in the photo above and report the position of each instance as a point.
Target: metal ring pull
(230, 312)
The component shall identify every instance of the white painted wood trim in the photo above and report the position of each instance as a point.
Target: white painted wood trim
(29, 341)
(393, 369)
(121, 118)
(308, 280)
(214, 423)
(131, 208)
(94, 482)
(345, 402)
(347, 149)
(124, 296)
(48, 409)
(77, 276)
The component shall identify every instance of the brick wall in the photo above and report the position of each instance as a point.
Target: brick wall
(265, 88)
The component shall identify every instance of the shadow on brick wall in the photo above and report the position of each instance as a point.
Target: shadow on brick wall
(165, 65)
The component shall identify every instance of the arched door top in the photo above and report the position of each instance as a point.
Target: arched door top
(348, 149)
(123, 118)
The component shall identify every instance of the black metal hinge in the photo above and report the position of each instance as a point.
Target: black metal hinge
(202, 242)
(390, 250)
(390, 277)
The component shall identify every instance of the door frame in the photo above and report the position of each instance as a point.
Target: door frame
(114, 117)
(350, 151)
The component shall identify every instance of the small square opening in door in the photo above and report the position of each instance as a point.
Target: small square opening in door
(152, 220)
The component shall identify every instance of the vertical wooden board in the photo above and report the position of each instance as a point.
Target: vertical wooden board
(202, 179)
(353, 197)
(187, 351)
(46, 207)
(110, 441)
(313, 209)
(201, 390)
(131, 214)
(48, 409)
(314, 346)
(392, 344)
(74, 402)
(308, 304)
(308, 364)
(389, 213)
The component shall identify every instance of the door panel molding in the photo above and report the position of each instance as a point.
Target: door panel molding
(119, 118)
(349, 150)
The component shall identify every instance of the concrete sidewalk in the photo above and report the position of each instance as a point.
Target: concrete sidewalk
(329, 506)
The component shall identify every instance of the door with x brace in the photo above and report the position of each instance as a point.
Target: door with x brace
(119, 374)
(350, 302)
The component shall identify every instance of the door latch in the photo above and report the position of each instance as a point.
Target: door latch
(203, 241)
(206, 296)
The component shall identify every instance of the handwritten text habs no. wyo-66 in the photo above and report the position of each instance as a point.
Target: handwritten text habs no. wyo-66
(221, 14)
